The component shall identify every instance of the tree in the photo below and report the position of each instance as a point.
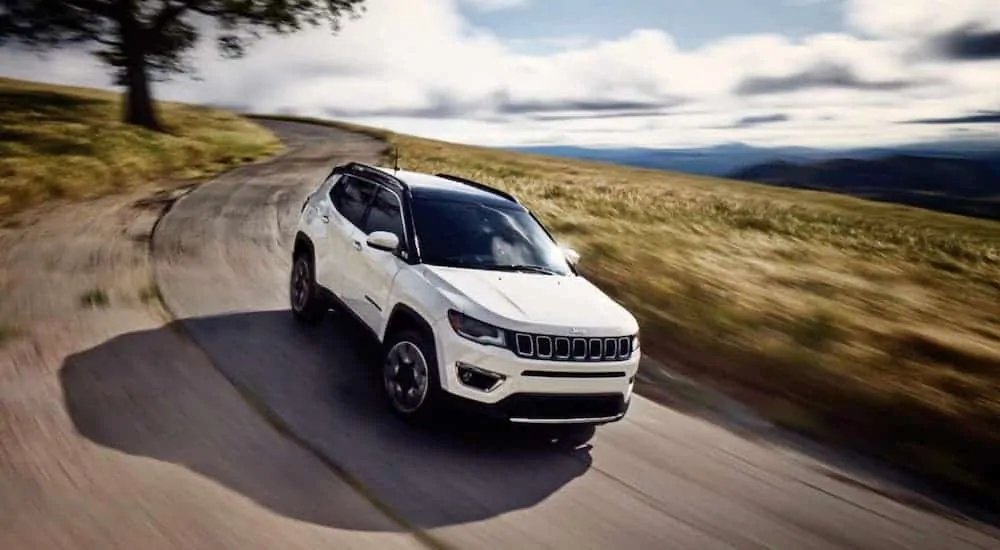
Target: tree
(147, 40)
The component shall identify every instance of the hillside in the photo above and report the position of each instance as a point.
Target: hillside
(59, 142)
(867, 323)
(969, 187)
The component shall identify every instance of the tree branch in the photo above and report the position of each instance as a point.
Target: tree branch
(94, 6)
(171, 12)
(106, 42)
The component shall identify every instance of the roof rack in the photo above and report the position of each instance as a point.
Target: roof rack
(374, 173)
(480, 186)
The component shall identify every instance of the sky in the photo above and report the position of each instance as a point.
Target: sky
(652, 73)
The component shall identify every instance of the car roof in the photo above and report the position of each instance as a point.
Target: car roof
(429, 186)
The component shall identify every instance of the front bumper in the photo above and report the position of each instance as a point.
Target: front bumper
(531, 390)
(538, 408)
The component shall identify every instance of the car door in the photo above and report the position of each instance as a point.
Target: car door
(350, 199)
(378, 268)
(319, 212)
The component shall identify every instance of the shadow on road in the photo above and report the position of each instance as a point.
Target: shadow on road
(130, 394)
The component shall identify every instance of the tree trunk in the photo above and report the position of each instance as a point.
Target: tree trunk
(138, 101)
(138, 104)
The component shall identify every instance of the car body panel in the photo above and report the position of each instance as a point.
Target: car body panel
(551, 304)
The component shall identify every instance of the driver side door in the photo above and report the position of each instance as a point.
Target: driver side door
(350, 198)
(378, 268)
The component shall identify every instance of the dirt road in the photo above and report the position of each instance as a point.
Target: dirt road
(117, 432)
(236, 427)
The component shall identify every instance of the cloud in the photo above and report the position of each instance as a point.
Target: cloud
(420, 66)
(982, 117)
(448, 105)
(495, 5)
(507, 106)
(970, 42)
(825, 75)
(757, 120)
(918, 18)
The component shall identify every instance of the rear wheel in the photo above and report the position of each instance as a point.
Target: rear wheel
(409, 376)
(306, 302)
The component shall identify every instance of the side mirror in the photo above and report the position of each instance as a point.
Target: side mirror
(383, 240)
(572, 256)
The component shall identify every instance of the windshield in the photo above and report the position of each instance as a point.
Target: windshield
(478, 236)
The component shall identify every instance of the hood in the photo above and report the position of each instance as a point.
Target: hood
(551, 304)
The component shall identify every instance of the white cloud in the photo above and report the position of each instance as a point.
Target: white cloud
(405, 58)
(919, 18)
(495, 5)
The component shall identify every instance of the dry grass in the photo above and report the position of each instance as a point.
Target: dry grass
(869, 323)
(7, 332)
(68, 143)
(95, 298)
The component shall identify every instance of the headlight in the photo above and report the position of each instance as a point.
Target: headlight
(635, 343)
(476, 330)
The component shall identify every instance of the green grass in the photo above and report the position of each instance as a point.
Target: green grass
(868, 323)
(68, 143)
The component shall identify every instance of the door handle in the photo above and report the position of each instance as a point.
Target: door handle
(357, 245)
(324, 218)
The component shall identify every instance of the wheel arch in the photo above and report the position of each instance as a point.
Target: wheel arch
(404, 317)
(303, 245)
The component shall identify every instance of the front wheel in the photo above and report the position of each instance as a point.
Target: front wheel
(306, 302)
(409, 376)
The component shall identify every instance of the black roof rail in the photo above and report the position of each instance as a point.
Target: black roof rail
(480, 186)
(374, 173)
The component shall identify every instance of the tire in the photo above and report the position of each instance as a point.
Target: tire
(303, 293)
(409, 349)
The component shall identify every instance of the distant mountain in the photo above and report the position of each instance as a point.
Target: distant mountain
(724, 159)
(965, 186)
(713, 161)
(961, 176)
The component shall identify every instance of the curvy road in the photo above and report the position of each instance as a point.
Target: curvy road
(335, 468)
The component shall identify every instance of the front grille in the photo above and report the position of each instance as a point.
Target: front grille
(563, 348)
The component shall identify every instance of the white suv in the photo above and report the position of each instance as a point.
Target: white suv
(472, 299)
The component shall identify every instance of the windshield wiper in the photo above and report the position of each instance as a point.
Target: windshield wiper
(519, 267)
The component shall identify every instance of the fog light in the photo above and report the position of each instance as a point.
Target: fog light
(479, 378)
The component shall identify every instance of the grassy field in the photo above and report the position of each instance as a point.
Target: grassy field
(68, 143)
(872, 324)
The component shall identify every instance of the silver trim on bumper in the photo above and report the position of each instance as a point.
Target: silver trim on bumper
(567, 420)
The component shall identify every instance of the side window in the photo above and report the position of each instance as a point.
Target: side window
(350, 196)
(385, 215)
(331, 182)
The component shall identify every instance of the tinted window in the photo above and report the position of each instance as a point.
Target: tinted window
(385, 215)
(351, 196)
(466, 234)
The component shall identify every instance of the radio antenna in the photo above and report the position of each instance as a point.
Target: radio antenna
(395, 164)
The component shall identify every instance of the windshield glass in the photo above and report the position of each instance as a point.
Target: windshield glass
(478, 236)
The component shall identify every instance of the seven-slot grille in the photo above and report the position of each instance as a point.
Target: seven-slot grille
(568, 348)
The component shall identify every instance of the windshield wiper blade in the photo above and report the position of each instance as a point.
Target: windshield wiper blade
(519, 267)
